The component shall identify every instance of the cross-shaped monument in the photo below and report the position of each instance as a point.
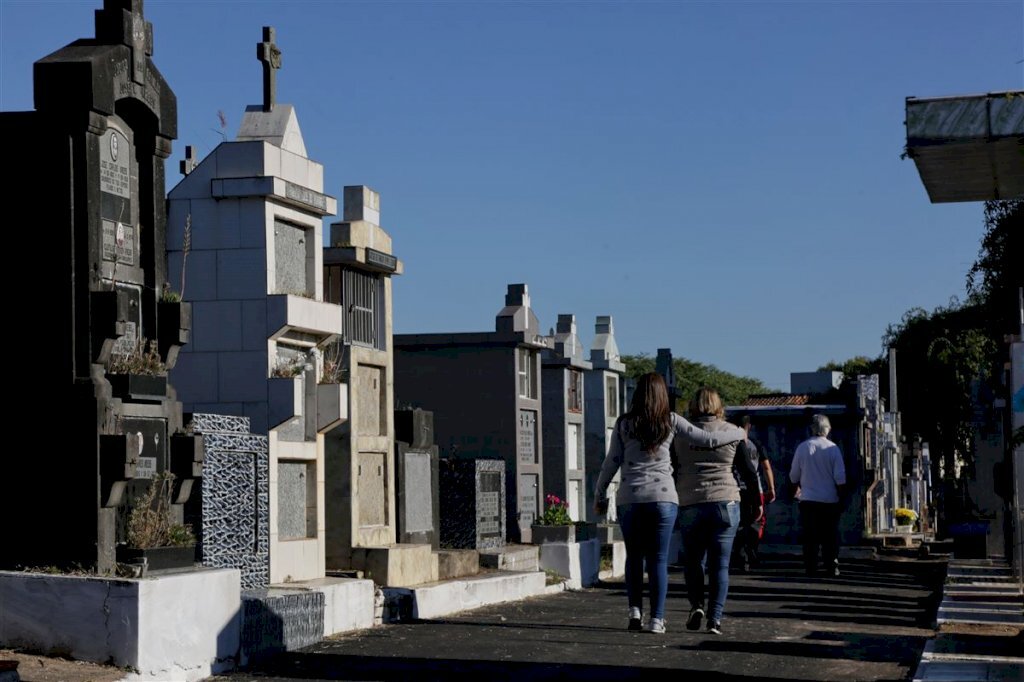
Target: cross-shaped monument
(188, 164)
(122, 21)
(270, 54)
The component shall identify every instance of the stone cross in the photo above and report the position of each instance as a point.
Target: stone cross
(270, 54)
(121, 21)
(188, 164)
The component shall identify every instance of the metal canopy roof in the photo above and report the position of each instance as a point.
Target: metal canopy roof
(968, 148)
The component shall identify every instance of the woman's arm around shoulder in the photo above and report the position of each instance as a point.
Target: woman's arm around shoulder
(692, 433)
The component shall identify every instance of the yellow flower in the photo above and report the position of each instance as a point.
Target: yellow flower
(905, 516)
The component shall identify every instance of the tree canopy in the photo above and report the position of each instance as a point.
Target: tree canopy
(690, 376)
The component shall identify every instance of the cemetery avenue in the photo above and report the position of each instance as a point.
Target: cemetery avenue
(232, 466)
(869, 625)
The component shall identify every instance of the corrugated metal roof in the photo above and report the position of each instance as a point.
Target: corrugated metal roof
(777, 399)
(968, 148)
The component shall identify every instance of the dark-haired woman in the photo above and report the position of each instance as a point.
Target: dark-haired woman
(647, 500)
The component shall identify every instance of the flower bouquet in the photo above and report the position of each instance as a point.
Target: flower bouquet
(905, 518)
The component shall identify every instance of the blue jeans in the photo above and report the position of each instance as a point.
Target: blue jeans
(647, 531)
(708, 529)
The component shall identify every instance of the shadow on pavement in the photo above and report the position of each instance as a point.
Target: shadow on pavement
(826, 645)
(311, 666)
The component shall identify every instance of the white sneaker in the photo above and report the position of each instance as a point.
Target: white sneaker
(656, 626)
(634, 619)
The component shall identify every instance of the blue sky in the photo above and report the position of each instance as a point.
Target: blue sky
(722, 178)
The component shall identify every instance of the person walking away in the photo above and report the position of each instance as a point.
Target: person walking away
(753, 504)
(820, 475)
(709, 509)
(744, 548)
(647, 499)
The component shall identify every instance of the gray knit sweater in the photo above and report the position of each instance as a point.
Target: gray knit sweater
(646, 476)
(705, 474)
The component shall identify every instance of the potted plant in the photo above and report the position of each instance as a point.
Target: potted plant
(152, 538)
(555, 524)
(905, 519)
(331, 389)
(138, 372)
(286, 389)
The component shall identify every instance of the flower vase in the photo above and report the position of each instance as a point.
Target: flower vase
(543, 534)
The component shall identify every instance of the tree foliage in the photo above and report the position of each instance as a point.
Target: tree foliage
(941, 359)
(948, 361)
(997, 274)
(690, 376)
(857, 365)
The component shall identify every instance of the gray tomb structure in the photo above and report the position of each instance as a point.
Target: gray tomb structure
(603, 406)
(359, 264)
(416, 477)
(245, 225)
(472, 493)
(88, 198)
(484, 389)
(563, 370)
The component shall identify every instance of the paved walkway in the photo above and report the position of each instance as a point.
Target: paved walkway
(870, 623)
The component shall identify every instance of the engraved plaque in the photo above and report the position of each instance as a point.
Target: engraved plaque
(153, 435)
(119, 241)
(488, 506)
(527, 437)
(146, 468)
(528, 509)
(129, 309)
(115, 160)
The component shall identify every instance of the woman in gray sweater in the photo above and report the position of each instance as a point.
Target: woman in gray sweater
(647, 501)
(709, 508)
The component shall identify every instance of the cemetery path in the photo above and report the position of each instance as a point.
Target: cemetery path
(870, 623)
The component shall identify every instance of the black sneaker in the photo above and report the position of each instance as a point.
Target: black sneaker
(714, 627)
(693, 620)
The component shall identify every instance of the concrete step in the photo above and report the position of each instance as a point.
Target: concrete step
(968, 671)
(951, 647)
(977, 615)
(457, 563)
(511, 558)
(990, 588)
(991, 564)
(452, 596)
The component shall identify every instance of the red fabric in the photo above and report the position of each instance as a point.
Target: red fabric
(763, 521)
